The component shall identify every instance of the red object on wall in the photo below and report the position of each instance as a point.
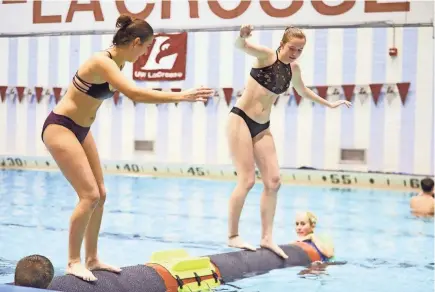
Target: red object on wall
(403, 88)
(228, 93)
(376, 92)
(348, 90)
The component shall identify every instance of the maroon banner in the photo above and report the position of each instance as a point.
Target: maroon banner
(176, 90)
(165, 60)
(297, 97)
(3, 92)
(322, 91)
(116, 97)
(348, 90)
(228, 93)
(20, 92)
(57, 92)
(38, 93)
(376, 92)
(403, 88)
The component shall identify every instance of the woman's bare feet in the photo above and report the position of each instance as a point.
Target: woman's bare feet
(96, 265)
(78, 269)
(237, 242)
(265, 243)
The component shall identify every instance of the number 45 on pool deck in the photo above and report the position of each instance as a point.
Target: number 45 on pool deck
(196, 171)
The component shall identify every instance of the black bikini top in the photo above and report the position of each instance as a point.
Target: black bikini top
(275, 77)
(98, 91)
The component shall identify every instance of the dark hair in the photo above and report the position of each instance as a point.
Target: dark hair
(34, 271)
(427, 185)
(131, 28)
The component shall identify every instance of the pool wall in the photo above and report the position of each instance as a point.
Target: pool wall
(395, 130)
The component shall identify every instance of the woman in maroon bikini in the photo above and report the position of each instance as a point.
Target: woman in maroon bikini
(66, 133)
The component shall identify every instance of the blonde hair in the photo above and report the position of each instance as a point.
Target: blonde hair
(292, 32)
(311, 218)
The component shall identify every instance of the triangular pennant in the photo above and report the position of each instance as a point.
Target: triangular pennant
(176, 90)
(289, 102)
(333, 93)
(348, 90)
(207, 101)
(390, 97)
(403, 88)
(3, 92)
(20, 92)
(276, 100)
(297, 97)
(376, 91)
(362, 93)
(116, 97)
(228, 93)
(390, 89)
(216, 96)
(57, 92)
(158, 89)
(38, 94)
(390, 94)
(322, 91)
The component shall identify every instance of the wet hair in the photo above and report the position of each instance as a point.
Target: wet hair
(292, 32)
(34, 271)
(427, 185)
(131, 28)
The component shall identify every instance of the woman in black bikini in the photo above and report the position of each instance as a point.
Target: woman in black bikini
(66, 134)
(249, 136)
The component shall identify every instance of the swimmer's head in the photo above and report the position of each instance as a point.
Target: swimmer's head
(292, 43)
(427, 185)
(134, 35)
(34, 271)
(305, 223)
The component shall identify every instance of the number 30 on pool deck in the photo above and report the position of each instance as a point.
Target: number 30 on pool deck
(10, 161)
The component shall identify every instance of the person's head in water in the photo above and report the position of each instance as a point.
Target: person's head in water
(34, 271)
(292, 44)
(134, 37)
(305, 223)
(427, 186)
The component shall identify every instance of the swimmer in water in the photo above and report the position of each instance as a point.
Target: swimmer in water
(423, 204)
(305, 224)
(249, 137)
(66, 133)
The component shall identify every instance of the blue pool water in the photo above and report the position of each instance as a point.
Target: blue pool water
(387, 249)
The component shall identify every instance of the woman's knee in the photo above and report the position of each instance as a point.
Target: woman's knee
(247, 181)
(91, 197)
(102, 191)
(272, 183)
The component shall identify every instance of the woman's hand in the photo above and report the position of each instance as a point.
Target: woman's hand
(197, 94)
(340, 102)
(245, 30)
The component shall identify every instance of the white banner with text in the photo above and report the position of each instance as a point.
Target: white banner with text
(48, 16)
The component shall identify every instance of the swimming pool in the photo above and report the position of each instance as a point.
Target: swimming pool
(386, 248)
